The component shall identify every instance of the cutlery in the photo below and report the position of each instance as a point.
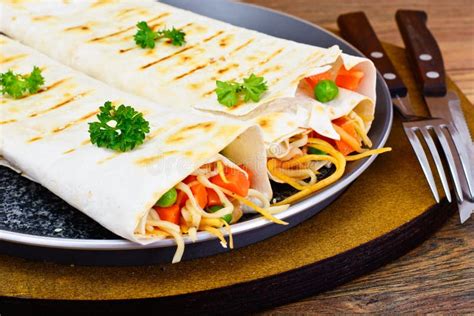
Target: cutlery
(425, 55)
(356, 28)
(427, 61)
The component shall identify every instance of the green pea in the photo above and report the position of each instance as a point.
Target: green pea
(315, 151)
(168, 199)
(227, 218)
(325, 91)
(215, 208)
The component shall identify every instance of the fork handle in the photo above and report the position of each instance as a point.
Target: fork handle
(423, 51)
(356, 28)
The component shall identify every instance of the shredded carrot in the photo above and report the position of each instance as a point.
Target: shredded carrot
(220, 169)
(336, 158)
(368, 153)
(351, 141)
(217, 233)
(257, 208)
(229, 231)
(214, 222)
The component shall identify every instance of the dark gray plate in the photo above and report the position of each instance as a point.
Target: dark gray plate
(34, 223)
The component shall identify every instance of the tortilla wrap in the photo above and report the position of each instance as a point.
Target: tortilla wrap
(96, 37)
(45, 136)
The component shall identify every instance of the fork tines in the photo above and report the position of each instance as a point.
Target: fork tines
(451, 144)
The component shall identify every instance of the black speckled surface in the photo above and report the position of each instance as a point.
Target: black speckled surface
(27, 207)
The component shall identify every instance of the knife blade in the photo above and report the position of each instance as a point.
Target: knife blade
(427, 61)
(356, 28)
(460, 122)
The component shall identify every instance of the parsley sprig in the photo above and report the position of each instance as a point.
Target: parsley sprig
(120, 129)
(230, 92)
(17, 85)
(146, 37)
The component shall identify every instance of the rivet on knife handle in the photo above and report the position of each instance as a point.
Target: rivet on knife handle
(423, 51)
(356, 28)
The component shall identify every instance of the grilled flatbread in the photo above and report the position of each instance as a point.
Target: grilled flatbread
(45, 136)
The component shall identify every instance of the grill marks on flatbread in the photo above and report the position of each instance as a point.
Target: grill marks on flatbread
(155, 158)
(5, 60)
(70, 124)
(214, 51)
(53, 85)
(8, 121)
(187, 48)
(67, 101)
(197, 68)
(78, 28)
(245, 71)
(174, 135)
(75, 122)
(122, 31)
(44, 98)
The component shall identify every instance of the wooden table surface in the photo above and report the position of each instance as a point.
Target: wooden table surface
(438, 276)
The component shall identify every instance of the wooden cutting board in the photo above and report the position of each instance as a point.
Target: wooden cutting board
(386, 212)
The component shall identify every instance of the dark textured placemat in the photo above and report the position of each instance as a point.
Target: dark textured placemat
(29, 208)
(392, 192)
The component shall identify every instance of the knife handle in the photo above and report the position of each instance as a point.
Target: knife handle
(423, 51)
(356, 28)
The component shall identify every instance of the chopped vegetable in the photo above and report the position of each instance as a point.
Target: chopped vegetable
(17, 85)
(314, 134)
(170, 214)
(168, 199)
(181, 198)
(190, 179)
(227, 218)
(344, 147)
(314, 80)
(120, 129)
(212, 198)
(349, 79)
(200, 194)
(249, 172)
(215, 208)
(229, 92)
(220, 169)
(325, 91)
(146, 37)
(238, 182)
(315, 151)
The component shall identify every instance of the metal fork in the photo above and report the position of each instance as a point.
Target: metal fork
(356, 28)
(450, 141)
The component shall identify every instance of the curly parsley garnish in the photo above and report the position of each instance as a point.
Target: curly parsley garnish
(176, 36)
(229, 92)
(17, 85)
(120, 129)
(146, 37)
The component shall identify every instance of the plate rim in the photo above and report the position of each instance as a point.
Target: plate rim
(238, 228)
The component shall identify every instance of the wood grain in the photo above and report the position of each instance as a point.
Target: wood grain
(437, 277)
(451, 22)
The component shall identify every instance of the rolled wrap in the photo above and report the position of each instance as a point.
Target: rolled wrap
(45, 136)
(96, 37)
